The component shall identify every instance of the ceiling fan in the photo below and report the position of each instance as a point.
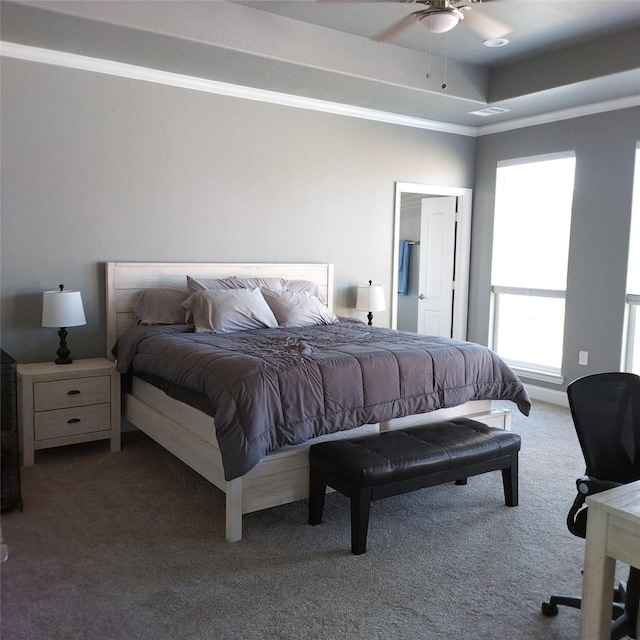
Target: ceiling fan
(440, 16)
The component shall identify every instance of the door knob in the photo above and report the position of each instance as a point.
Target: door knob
(421, 297)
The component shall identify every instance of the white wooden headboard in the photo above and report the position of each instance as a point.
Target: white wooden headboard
(125, 279)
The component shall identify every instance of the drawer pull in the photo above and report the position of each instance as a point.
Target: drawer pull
(73, 420)
(74, 392)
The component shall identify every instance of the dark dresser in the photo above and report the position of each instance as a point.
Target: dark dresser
(10, 452)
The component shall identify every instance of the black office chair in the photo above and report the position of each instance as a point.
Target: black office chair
(605, 408)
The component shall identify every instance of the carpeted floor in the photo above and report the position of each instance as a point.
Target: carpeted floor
(131, 546)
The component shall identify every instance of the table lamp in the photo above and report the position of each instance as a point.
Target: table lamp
(370, 298)
(62, 309)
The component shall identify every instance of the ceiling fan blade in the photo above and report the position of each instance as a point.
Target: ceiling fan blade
(484, 25)
(396, 28)
(355, 1)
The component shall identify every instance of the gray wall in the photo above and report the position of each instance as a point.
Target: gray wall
(605, 148)
(97, 168)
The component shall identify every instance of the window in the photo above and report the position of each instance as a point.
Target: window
(633, 278)
(532, 224)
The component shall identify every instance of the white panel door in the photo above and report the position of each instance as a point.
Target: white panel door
(437, 264)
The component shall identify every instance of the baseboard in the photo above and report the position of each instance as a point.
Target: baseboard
(552, 396)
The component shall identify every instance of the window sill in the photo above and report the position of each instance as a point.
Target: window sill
(541, 376)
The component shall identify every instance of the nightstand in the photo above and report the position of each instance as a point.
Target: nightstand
(62, 404)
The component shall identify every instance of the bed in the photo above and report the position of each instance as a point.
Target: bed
(215, 448)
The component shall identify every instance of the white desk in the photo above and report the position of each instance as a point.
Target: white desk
(613, 533)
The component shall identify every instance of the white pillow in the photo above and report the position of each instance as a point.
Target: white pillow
(223, 311)
(304, 286)
(293, 309)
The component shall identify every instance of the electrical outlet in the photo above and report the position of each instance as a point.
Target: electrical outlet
(583, 358)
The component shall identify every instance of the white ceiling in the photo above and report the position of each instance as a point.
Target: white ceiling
(562, 55)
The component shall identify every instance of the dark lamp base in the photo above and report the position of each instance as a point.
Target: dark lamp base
(63, 353)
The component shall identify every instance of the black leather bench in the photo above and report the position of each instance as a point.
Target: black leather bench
(394, 462)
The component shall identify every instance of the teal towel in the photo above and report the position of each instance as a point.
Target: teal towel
(403, 268)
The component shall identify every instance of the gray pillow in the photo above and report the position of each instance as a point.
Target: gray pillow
(223, 311)
(207, 284)
(160, 306)
(293, 309)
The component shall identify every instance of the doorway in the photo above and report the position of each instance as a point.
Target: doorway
(437, 223)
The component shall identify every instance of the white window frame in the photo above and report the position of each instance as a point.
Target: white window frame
(540, 372)
(547, 374)
(631, 332)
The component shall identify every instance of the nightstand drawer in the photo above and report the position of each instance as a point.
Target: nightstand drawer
(68, 422)
(74, 392)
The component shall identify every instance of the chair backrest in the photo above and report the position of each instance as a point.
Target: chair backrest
(606, 413)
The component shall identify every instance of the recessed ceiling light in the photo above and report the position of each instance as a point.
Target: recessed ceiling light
(495, 42)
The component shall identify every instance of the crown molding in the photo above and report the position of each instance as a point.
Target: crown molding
(145, 74)
(124, 70)
(563, 114)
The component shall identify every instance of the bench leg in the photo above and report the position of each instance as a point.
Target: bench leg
(317, 492)
(510, 482)
(360, 507)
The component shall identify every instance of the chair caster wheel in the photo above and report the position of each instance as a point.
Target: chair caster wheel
(549, 609)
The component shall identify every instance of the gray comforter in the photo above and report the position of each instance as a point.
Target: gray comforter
(273, 387)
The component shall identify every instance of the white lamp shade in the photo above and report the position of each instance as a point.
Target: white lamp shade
(370, 298)
(441, 21)
(62, 309)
